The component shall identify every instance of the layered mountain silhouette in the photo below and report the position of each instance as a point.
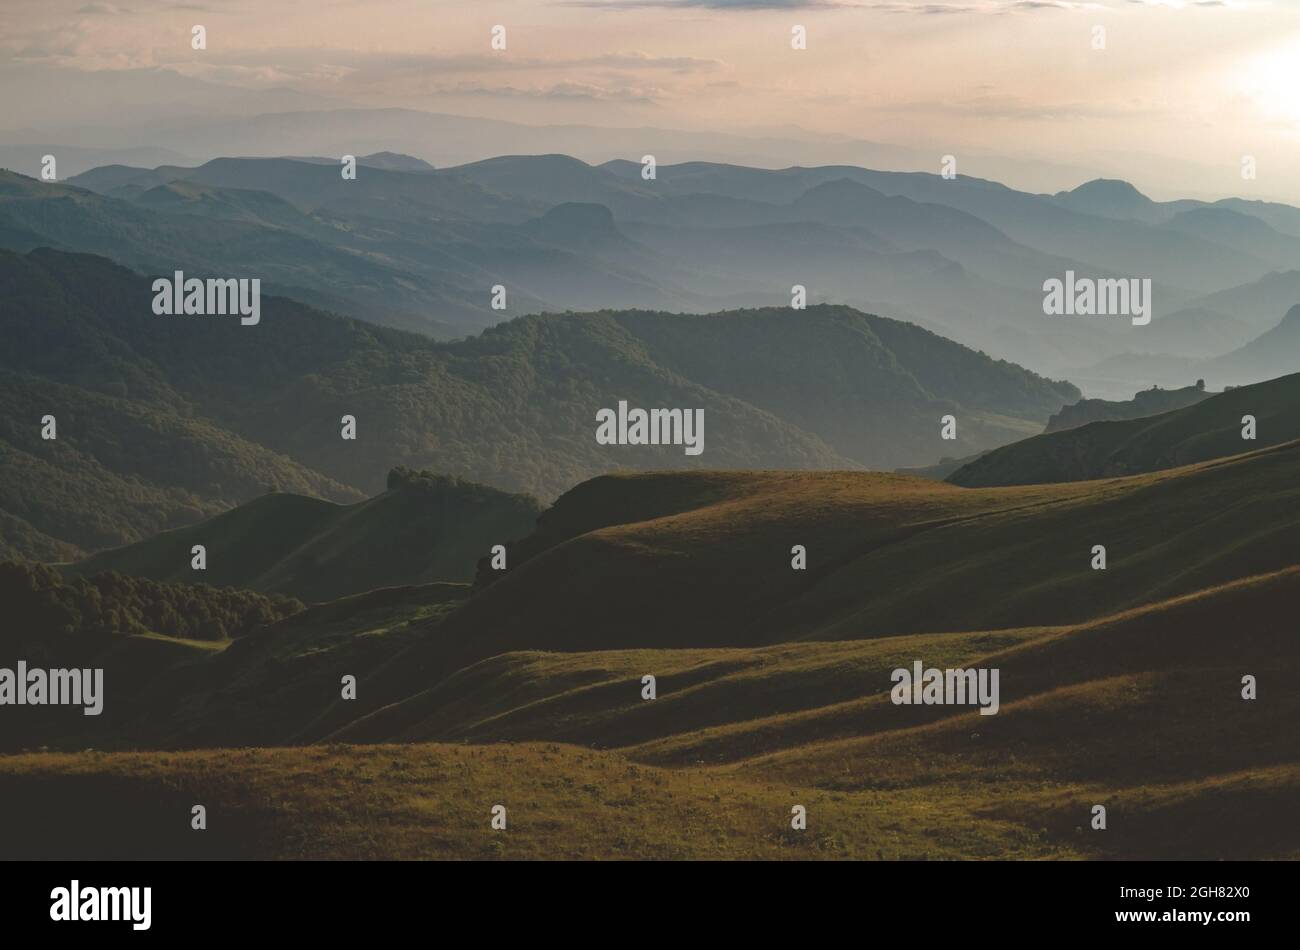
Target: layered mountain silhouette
(359, 663)
(1272, 353)
(1149, 402)
(1206, 429)
(418, 248)
(163, 421)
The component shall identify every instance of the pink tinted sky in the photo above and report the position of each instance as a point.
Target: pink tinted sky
(1197, 83)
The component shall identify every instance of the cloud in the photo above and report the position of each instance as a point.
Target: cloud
(925, 7)
(995, 107)
(568, 89)
(725, 4)
(1184, 4)
(299, 60)
(985, 6)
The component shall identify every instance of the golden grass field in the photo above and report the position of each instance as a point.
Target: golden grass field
(1120, 688)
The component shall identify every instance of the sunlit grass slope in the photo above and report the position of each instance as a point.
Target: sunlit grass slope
(435, 801)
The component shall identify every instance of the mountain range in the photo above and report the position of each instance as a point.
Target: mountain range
(428, 588)
(164, 421)
(418, 248)
(1204, 429)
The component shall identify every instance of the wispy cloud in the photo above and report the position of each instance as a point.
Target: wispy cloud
(922, 7)
(565, 90)
(724, 4)
(102, 9)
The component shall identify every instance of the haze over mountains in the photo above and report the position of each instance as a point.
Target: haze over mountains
(476, 428)
(1122, 444)
(419, 248)
(163, 421)
(285, 125)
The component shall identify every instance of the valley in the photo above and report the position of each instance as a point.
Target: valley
(1120, 687)
(379, 565)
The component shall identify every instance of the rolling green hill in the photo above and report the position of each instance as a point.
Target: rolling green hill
(1139, 711)
(425, 528)
(1120, 687)
(704, 561)
(886, 554)
(1208, 429)
(699, 564)
(809, 709)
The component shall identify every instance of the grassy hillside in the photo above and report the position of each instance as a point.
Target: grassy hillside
(1119, 688)
(705, 561)
(435, 801)
(425, 528)
(659, 571)
(1139, 712)
(886, 555)
(1205, 430)
(431, 801)
(173, 675)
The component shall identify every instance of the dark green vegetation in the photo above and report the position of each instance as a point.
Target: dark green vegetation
(137, 630)
(53, 614)
(259, 684)
(424, 528)
(1207, 429)
(165, 421)
(1119, 687)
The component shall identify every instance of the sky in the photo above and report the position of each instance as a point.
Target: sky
(1182, 92)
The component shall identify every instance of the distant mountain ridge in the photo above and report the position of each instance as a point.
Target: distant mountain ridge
(1272, 353)
(1149, 402)
(419, 248)
(166, 421)
(1206, 429)
(1267, 355)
